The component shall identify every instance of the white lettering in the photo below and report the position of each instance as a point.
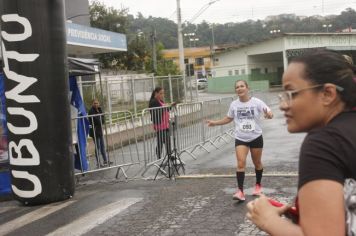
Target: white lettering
(19, 161)
(104, 38)
(24, 81)
(37, 187)
(17, 37)
(28, 114)
(88, 35)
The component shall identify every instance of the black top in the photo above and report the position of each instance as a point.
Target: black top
(156, 114)
(96, 122)
(330, 152)
(154, 103)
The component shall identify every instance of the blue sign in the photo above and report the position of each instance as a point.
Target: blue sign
(91, 37)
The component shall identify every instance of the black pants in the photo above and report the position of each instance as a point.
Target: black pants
(163, 137)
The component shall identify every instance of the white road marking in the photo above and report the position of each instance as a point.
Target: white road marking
(32, 216)
(201, 176)
(94, 218)
(5, 209)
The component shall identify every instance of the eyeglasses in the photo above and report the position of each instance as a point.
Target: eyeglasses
(287, 96)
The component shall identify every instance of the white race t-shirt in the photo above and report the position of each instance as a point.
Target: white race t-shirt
(246, 116)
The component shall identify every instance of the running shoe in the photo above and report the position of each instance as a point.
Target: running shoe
(239, 195)
(258, 190)
(105, 163)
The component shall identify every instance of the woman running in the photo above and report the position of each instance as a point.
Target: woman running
(246, 112)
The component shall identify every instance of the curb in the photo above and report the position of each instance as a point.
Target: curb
(273, 174)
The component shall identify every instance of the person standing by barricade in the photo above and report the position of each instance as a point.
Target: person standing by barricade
(319, 98)
(160, 120)
(96, 120)
(246, 112)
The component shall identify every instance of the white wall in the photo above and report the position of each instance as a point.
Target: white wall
(233, 60)
(271, 53)
(263, 55)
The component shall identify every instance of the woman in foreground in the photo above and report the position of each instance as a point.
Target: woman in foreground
(320, 99)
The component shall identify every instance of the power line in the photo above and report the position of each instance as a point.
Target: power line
(202, 10)
(271, 10)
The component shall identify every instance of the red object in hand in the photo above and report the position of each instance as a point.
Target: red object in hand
(275, 203)
(292, 212)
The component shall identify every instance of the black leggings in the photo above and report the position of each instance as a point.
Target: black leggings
(163, 137)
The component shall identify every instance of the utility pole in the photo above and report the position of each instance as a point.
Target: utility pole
(154, 53)
(213, 44)
(180, 46)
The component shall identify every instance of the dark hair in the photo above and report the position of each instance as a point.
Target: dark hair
(156, 90)
(245, 82)
(326, 66)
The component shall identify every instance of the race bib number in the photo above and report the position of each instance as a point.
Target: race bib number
(247, 126)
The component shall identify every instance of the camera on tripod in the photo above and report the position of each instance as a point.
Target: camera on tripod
(171, 160)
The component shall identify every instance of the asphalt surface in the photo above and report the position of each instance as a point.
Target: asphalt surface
(197, 203)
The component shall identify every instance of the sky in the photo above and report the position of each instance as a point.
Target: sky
(224, 11)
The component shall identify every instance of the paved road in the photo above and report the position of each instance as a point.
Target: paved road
(182, 207)
(193, 205)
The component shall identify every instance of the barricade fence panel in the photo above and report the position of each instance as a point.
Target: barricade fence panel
(190, 125)
(100, 145)
(212, 111)
(225, 105)
(133, 92)
(135, 144)
(156, 123)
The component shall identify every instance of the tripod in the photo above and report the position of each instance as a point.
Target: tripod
(171, 160)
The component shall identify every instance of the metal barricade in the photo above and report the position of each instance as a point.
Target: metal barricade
(228, 129)
(156, 125)
(190, 126)
(108, 146)
(126, 138)
(212, 111)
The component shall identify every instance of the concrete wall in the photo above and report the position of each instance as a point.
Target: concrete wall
(266, 56)
(227, 84)
(265, 47)
(234, 60)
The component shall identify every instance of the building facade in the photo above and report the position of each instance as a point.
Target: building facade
(263, 63)
(197, 60)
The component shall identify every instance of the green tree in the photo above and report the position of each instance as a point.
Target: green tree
(112, 20)
(108, 18)
(164, 67)
(345, 20)
(138, 30)
(119, 21)
(137, 54)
